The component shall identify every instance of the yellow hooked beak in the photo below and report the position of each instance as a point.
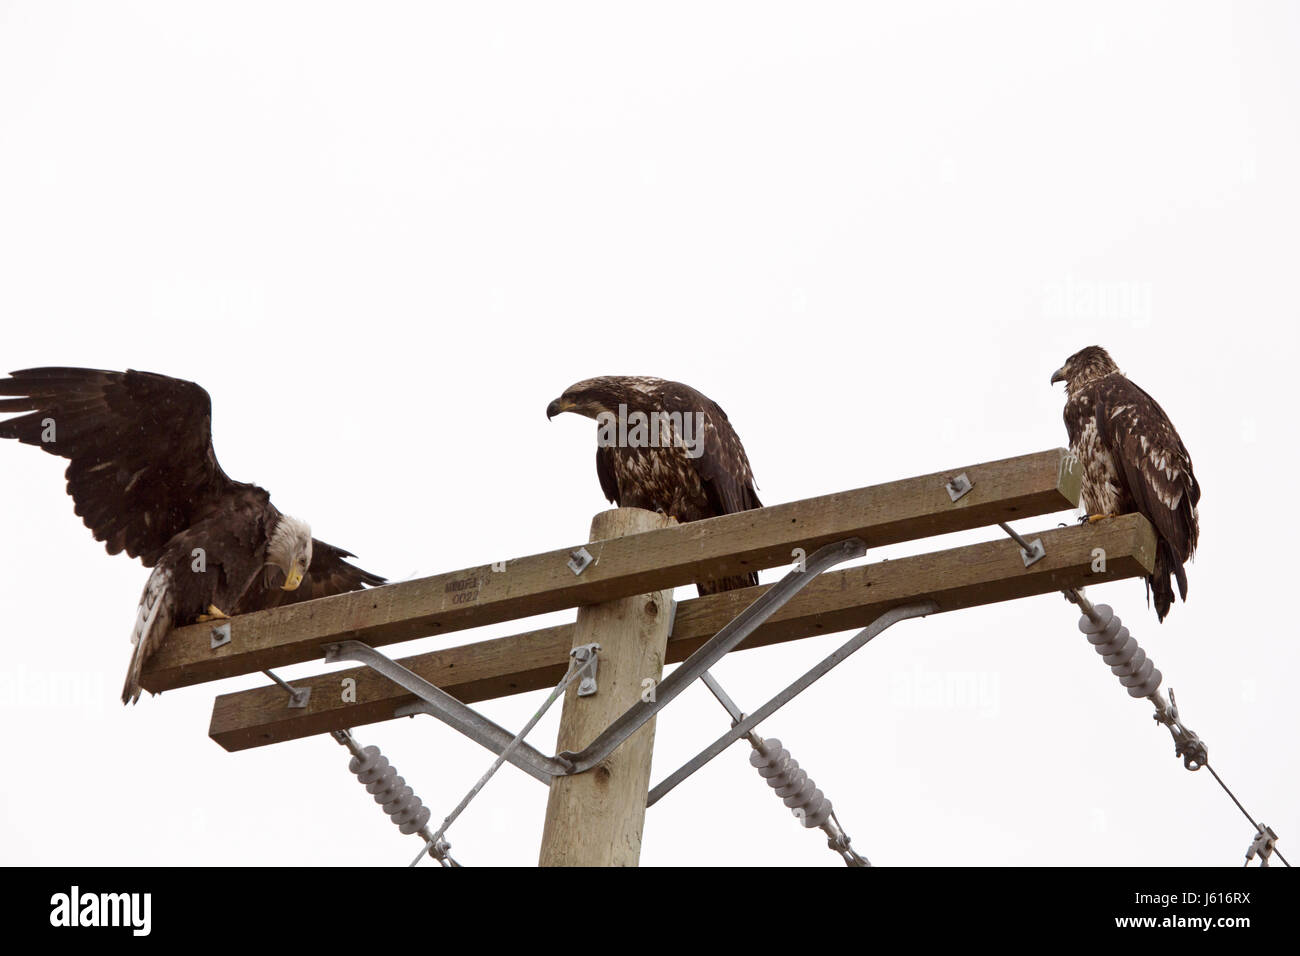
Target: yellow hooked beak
(292, 581)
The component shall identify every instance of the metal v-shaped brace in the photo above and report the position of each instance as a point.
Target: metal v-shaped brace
(437, 702)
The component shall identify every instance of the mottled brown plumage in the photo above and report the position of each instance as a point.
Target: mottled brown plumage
(1133, 461)
(143, 476)
(689, 463)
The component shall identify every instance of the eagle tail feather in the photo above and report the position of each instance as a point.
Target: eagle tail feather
(152, 622)
(1160, 585)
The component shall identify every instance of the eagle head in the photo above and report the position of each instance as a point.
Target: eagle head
(592, 396)
(1084, 366)
(290, 550)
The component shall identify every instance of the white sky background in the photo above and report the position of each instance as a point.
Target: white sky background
(383, 237)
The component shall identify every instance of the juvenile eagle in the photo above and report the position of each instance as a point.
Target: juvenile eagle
(1133, 460)
(144, 478)
(663, 446)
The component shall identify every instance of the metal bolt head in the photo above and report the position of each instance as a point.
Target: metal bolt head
(958, 486)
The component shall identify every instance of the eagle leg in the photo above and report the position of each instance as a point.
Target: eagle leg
(1093, 519)
(214, 614)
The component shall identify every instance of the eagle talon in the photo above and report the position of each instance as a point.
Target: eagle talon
(1093, 519)
(214, 614)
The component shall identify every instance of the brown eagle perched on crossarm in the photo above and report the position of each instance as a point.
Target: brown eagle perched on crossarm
(1133, 460)
(665, 447)
(143, 476)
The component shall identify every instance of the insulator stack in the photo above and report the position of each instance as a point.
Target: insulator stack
(1120, 650)
(399, 800)
(792, 785)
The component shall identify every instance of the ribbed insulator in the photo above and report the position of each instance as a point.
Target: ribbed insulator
(1120, 650)
(792, 785)
(390, 790)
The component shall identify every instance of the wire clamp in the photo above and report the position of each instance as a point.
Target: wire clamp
(585, 657)
(1187, 744)
(1263, 845)
(840, 844)
(958, 486)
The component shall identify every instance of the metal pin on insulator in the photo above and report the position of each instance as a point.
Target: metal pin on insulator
(1120, 650)
(399, 801)
(792, 785)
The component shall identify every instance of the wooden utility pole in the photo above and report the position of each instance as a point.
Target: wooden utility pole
(595, 818)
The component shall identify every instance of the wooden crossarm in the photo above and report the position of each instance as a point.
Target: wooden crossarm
(1005, 490)
(956, 578)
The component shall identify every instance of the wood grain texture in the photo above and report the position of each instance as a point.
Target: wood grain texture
(897, 511)
(956, 578)
(595, 818)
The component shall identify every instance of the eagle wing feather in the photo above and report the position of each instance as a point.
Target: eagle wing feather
(141, 464)
(1154, 463)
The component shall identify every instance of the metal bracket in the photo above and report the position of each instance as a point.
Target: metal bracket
(299, 697)
(1036, 552)
(221, 635)
(578, 560)
(711, 651)
(587, 657)
(958, 486)
(437, 702)
(1030, 551)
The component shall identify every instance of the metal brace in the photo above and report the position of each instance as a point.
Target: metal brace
(433, 700)
(221, 635)
(958, 486)
(1262, 845)
(587, 657)
(1187, 744)
(578, 560)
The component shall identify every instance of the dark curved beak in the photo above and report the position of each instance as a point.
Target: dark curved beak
(553, 409)
(1058, 376)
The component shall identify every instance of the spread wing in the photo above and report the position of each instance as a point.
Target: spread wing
(141, 465)
(1152, 459)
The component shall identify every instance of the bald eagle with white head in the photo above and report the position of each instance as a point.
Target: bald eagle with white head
(143, 476)
(665, 447)
(1133, 461)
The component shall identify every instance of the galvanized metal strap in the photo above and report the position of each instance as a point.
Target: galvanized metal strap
(578, 667)
(712, 651)
(744, 727)
(436, 701)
